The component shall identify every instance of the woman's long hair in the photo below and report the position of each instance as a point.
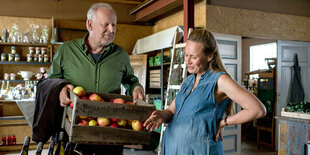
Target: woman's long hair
(206, 38)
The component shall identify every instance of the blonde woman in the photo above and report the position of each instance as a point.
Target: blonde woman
(195, 117)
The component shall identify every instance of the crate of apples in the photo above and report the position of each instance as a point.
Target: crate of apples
(104, 118)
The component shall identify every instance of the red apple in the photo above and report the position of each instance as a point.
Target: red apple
(92, 122)
(113, 119)
(102, 121)
(94, 97)
(114, 125)
(130, 103)
(71, 105)
(137, 125)
(79, 91)
(84, 98)
(121, 122)
(119, 100)
(83, 122)
(111, 100)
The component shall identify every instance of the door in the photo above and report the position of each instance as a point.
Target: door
(230, 51)
(286, 51)
(138, 63)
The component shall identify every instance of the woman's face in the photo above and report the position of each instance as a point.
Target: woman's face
(196, 60)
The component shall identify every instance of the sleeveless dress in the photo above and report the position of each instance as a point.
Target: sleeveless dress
(193, 127)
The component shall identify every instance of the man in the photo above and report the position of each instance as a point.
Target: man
(96, 63)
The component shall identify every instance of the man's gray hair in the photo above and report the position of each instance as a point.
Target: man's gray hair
(91, 14)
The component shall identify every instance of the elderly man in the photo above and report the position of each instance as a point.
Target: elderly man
(97, 64)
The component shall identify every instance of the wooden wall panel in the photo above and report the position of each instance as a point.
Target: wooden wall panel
(177, 18)
(127, 35)
(257, 23)
(242, 22)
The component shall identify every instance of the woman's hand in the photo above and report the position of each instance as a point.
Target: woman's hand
(220, 129)
(155, 120)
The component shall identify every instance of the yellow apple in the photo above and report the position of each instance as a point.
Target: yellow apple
(79, 91)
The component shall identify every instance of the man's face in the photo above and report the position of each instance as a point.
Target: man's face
(104, 27)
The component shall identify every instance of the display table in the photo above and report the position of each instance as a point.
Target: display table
(294, 133)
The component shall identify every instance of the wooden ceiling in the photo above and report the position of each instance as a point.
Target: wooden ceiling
(148, 10)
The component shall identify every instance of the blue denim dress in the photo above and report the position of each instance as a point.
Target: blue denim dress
(193, 127)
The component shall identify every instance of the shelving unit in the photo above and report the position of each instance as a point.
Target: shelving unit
(177, 66)
(15, 66)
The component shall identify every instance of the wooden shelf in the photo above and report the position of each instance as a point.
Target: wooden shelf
(24, 44)
(155, 66)
(24, 63)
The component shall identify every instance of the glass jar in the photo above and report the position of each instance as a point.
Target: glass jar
(6, 76)
(12, 76)
(46, 58)
(11, 57)
(31, 50)
(40, 58)
(29, 58)
(3, 57)
(38, 50)
(16, 57)
(13, 50)
(43, 51)
(35, 58)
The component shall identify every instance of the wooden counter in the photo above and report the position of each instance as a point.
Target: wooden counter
(294, 133)
(13, 122)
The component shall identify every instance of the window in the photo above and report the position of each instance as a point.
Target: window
(258, 53)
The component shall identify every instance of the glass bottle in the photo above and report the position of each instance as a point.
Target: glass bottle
(9, 139)
(60, 150)
(25, 148)
(3, 140)
(39, 148)
(51, 148)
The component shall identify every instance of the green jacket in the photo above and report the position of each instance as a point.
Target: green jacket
(73, 62)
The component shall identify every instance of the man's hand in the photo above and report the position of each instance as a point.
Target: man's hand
(63, 95)
(137, 93)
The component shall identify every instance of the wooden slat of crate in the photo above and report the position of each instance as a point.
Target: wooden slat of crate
(111, 110)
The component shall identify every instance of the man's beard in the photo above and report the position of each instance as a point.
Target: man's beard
(107, 39)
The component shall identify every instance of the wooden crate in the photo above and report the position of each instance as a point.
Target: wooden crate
(155, 78)
(106, 135)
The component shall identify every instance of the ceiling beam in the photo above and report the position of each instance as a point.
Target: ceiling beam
(155, 9)
(134, 2)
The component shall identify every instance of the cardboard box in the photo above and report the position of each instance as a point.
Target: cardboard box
(84, 134)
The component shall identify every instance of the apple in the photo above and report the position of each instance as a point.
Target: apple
(137, 125)
(113, 119)
(94, 97)
(84, 98)
(111, 100)
(83, 122)
(121, 122)
(79, 91)
(102, 121)
(71, 105)
(130, 103)
(114, 125)
(119, 100)
(92, 122)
